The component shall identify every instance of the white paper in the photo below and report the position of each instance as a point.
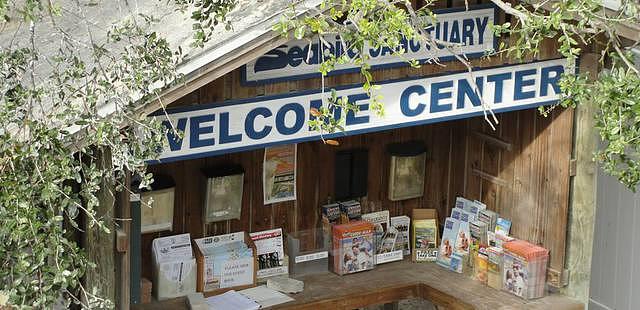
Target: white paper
(237, 272)
(312, 256)
(265, 296)
(214, 241)
(231, 300)
(172, 248)
(388, 257)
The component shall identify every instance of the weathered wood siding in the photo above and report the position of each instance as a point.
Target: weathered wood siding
(520, 170)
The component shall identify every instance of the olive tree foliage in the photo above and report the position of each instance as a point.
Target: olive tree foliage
(53, 128)
(573, 23)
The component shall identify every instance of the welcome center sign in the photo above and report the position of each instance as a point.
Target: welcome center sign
(298, 59)
(264, 121)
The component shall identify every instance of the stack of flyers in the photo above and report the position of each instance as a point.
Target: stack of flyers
(351, 210)
(479, 239)
(447, 242)
(401, 224)
(463, 203)
(488, 217)
(388, 241)
(425, 234)
(503, 226)
(380, 221)
(270, 252)
(463, 236)
(524, 269)
(481, 266)
(331, 212)
(353, 249)
(494, 268)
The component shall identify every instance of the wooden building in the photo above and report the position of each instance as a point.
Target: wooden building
(528, 168)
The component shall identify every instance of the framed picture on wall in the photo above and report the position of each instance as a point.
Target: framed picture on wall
(223, 196)
(407, 170)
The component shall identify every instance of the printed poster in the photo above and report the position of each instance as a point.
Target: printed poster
(279, 173)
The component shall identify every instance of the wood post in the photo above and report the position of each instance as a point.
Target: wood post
(123, 244)
(583, 203)
(99, 245)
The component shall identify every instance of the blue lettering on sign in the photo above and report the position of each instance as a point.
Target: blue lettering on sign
(249, 123)
(404, 101)
(546, 80)
(175, 142)
(481, 26)
(466, 90)
(351, 118)
(455, 33)
(437, 94)
(520, 83)
(281, 115)
(274, 59)
(196, 131)
(224, 130)
(498, 80)
(467, 31)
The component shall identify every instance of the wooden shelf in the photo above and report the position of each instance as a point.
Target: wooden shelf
(397, 281)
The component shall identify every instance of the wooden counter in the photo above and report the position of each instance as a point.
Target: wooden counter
(397, 281)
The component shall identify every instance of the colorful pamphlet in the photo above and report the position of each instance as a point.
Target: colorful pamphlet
(503, 226)
(457, 262)
(425, 234)
(481, 266)
(353, 249)
(350, 211)
(401, 224)
(331, 212)
(448, 241)
(494, 268)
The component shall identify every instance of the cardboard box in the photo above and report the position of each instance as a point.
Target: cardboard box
(145, 290)
(201, 266)
(424, 214)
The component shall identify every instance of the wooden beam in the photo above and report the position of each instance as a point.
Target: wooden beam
(98, 244)
(583, 203)
(494, 141)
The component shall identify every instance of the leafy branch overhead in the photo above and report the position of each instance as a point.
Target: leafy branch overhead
(61, 69)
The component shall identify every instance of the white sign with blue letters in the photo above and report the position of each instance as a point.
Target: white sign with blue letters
(294, 61)
(263, 121)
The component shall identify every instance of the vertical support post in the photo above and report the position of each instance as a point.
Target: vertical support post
(136, 260)
(582, 204)
(123, 244)
(99, 245)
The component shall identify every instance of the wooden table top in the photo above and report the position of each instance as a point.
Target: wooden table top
(397, 281)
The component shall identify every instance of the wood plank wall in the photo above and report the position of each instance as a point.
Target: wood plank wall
(520, 170)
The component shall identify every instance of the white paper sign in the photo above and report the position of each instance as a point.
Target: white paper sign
(388, 257)
(310, 257)
(237, 272)
(276, 120)
(293, 60)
